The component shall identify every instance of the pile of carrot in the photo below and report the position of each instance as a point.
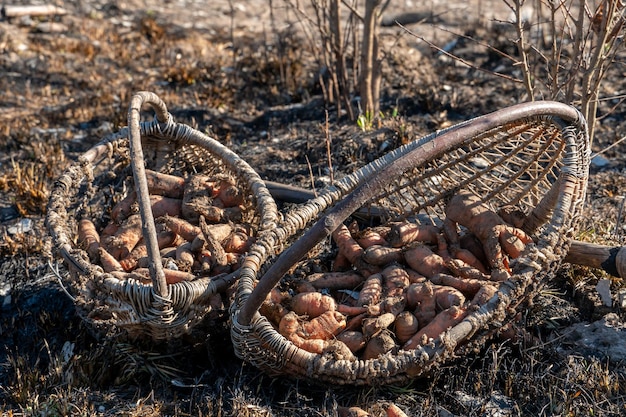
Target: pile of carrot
(401, 285)
(199, 223)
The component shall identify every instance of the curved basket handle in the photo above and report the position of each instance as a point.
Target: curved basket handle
(148, 227)
(391, 166)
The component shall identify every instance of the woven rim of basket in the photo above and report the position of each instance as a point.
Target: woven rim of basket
(259, 343)
(162, 315)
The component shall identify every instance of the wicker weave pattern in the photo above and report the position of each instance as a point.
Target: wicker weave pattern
(534, 156)
(91, 186)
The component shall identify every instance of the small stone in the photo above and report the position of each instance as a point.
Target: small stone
(621, 298)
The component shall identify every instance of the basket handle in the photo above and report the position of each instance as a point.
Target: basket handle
(148, 227)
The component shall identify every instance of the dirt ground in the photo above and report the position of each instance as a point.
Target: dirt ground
(244, 73)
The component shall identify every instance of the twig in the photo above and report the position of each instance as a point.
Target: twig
(328, 153)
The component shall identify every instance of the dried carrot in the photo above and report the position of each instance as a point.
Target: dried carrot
(164, 184)
(403, 233)
(442, 322)
(88, 237)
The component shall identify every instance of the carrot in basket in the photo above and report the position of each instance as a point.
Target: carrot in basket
(124, 208)
(165, 184)
(374, 325)
(423, 260)
(371, 236)
(165, 205)
(172, 276)
(238, 242)
(312, 304)
(127, 236)
(108, 261)
(312, 335)
(395, 279)
(184, 255)
(379, 345)
(406, 325)
(349, 247)
(403, 233)
(230, 194)
(382, 255)
(182, 227)
(421, 298)
(88, 237)
(354, 339)
(336, 280)
(442, 322)
(497, 237)
(469, 287)
(371, 291)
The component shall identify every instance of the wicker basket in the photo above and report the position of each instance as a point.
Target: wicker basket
(534, 156)
(102, 176)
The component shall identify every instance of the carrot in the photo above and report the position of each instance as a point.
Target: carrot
(396, 279)
(374, 325)
(379, 345)
(463, 270)
(336, 280)
(414, 276)
(109, 230)
(371, 291)
(182, 227)
(172, 276)
(312, 304)
(341, 263)
(406, 325)
(164, 239)
(323, 327)
(198, 198)
(165, 205)
(108, 261)
(355, 340)
(403, 233)
(184, 255)
(238, 242)
(88, 237)
(273, 311)
(371, 236)
(493, 232)
(125, 207)
(469, 287)
(513, 216)
(382, 255)
(212, 244)
(230, 195)
(442, 322)
(468, 257)
(446, 297)
(421, 297)
(164, 184)
(483, 295)
(395, 411)
(127, 236)
(463, 257)
(423, 260)
(347, 245)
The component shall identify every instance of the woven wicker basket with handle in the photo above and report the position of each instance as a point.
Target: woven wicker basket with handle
(533, 156)
(105, 174)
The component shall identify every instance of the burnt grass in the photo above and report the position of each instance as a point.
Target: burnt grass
(62, 92)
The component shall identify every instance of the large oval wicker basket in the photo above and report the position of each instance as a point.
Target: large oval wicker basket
(104, 175)
(533, 156)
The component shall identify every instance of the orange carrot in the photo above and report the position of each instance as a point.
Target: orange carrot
(238, 242)
(423, 260)
(110, 229)
(442, 322)
(108, 261)
(374, 325)
(346, 244)
(379, 345)
(324, 326)
(165, 184)
(336, 280)
(483, 295)
(165, 205)
(312, 304)
(382, 255)
(493, 232)
(406, 325)
(125, 207)
(351, 412)
(371, 236)
(184, 255)
(182, 227)
(127, 236)
(469, 287)
(88, 237)
(396, 280)
(341, 263)
(230, 195)
(172, 276)
(164, 239)
(403, 233)
(371, 291)
(355, 340)
(421, 297)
